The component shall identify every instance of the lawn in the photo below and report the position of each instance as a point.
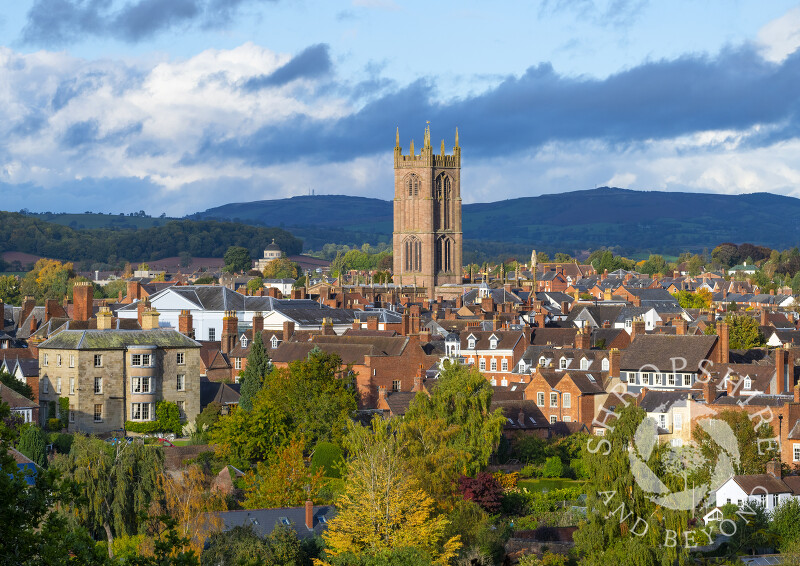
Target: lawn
(546, 484)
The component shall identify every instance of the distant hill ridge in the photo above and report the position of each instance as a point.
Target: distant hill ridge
(633, 221)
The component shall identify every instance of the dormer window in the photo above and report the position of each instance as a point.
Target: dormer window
(564, 363)
(274, 341)
(604, 365)
(471, 342)
(748, 383)
(493, 343)
(244, 341)
(542, 361)
(584, 363)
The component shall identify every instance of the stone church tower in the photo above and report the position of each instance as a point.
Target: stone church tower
(427, 215)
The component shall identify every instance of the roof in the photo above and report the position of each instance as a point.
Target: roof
(264, 521)
(761, 483)
(216, 392)
(506, 339)
(553, 336)
(15, 400)
(659, 350)
(662, 401)
(398, 401)
(117, 339)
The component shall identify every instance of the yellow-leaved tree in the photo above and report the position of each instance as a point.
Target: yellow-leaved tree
(383, 508)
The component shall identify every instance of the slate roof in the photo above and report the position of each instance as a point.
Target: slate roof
(662, 401)
(507, 340)
(498, 296)
(117, 339)
(264, 521)
(659, 349)
(564, 337)
(314, 316)
(399, 401)
(222, 393)
(382, 345)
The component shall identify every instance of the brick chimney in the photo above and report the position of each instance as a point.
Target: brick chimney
(134, 292)
(372, 323)
(381, 393)
(425, 336)
(565, 307)
(230, 330)
(780, 367)
(774, 468)
(258, 322)
(614, 359)
(797, 393)
(459, 301)
(327, 327)
(723, 342)
(150, 319)
(764, 317)
(637, 328)
(105, 320)
(50, 306)
(709, 391)
(185, 323)
(419, 379)
(583, 338)
(83, 300)
(288, 330)
(309, 515)
(487, 304)
(604, 276)
(732, 384)
(496, 325)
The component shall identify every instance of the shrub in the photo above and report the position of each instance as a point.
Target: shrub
(327, 457)
(529, 471)
(507, 481)
(33, 444)
(54, 425)
(483, 489)
(63, 410)
(62, 442)
(169, 420)
(553, 468)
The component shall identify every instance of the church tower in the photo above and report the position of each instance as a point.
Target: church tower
(427, 215)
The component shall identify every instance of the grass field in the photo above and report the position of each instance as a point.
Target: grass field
(546, 484)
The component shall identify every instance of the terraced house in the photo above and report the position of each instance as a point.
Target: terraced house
(110, 376)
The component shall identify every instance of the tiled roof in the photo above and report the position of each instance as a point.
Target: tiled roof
(14, 399)
(659, 350)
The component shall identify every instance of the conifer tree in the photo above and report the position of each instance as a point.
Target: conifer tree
(32, 443)
(252, 378)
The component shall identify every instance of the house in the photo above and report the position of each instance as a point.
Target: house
(283, 285)
(495, 353)
(19, 404)
(113, 376)
(769, 490)
(570, 396)
(306, 522)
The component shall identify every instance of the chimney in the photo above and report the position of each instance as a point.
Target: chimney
(487, 304)
(83, 300)
(33, 325)
(583, 338)
(381, 393)
(604, 276)
(606, 324)
(150, 319)
(406, 323)
(418, 380)
(309, 515)
(425, 336)
(709, 391)
(141, 306)
(797, 393)
(105, 319)
(763, 317)
(134, 292)
(496, 323)
(288, 330)
(258, 322)
(774, 468)
(185, 323)
(49, 306)
(681, 326)
(327, 327)
(780, 368)
(459, 302)
(372, 323)
(614, 359)
(119, 296)
(731, 384)
(637, 328)
(230, 329)
(565, 307)
(723, 342)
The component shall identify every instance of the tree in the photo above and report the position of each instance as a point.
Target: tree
(255, 284)
(553, 468)
(8, 380)
(483, 489)
(49, 279)
(33, 444)
(328, 458)
(117, 484)
(744, 332)
(462, 397)
(783, 523)
(190, 501)
(237, 260)
(254, 373)
(285, 481)
(243, 546)
(10, 289)
(382, 507)
(281, 268)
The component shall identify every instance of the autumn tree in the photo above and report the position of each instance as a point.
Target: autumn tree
(281, 268)
(49, 279)
(190, 501)
(462, 397)
(255, 284)
(252, 377)
(10, 289)
(285, 480)
(382, 507)
(744, 332)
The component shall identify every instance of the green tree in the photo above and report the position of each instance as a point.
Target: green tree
(10, 289)
(783, 523)
(654, 264)
(252, 435)
(255, 372)
(744, 332)
(242, 546)
(327, 457)
(33, 444)
(237, 260)
(118, 484)
(8, 380)
(553, 468)
(462, 398)
(255, 284)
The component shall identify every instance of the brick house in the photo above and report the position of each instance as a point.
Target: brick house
(495, 353)
(567, 396)
(111, 376)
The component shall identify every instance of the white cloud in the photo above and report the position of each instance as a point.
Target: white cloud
(780, 37)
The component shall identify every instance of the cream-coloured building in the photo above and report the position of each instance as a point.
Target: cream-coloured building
(271, 253)
(110, 376)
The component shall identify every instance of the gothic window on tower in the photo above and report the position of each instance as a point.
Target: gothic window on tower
(441, 195)
(412, 250)
(444, 254)
(412, 185)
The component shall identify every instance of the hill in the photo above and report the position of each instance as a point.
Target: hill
(630, 221)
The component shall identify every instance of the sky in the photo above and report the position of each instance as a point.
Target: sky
(176, 106)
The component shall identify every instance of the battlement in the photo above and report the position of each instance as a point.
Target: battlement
(426, 157)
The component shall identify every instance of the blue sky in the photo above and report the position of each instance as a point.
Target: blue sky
(176, 106)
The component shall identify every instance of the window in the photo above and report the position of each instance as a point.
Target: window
(677, 421)
(646, 377)
(671, 379)
(494, 382)
(58, 360)
(136, 359)
(542, 361)
(552, 419)
(564, 363)
(774, 499)
(796, 452)
(140, 385)
(763, 498)
(182, 408)
(504, 382)
(181, 382)
(98, 385)
(98, 360)
(566, 400)
(72, 360)
(140, 411)
(628, 323)
(72, 386)
(71, 414)
(554, 399)
(540, 401)
(44, 359)
(482, 364)
(179, 357)
(471, 344)
(687, 379)
(494, 365)
(493, 344)
(237, 363)
(748, 383)
(98, 413)
(412, 185)
(395, 385)
(676, 442)
(659, 377)
(584, 363)
(244, 341)
(273, 342)
(605, 364)
(567, 418)
(146, 358)
(212, 334)
(58, 385)
(662, 421)
(504, 365)
(45, 385)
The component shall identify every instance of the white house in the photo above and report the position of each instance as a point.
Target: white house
(769, 490)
